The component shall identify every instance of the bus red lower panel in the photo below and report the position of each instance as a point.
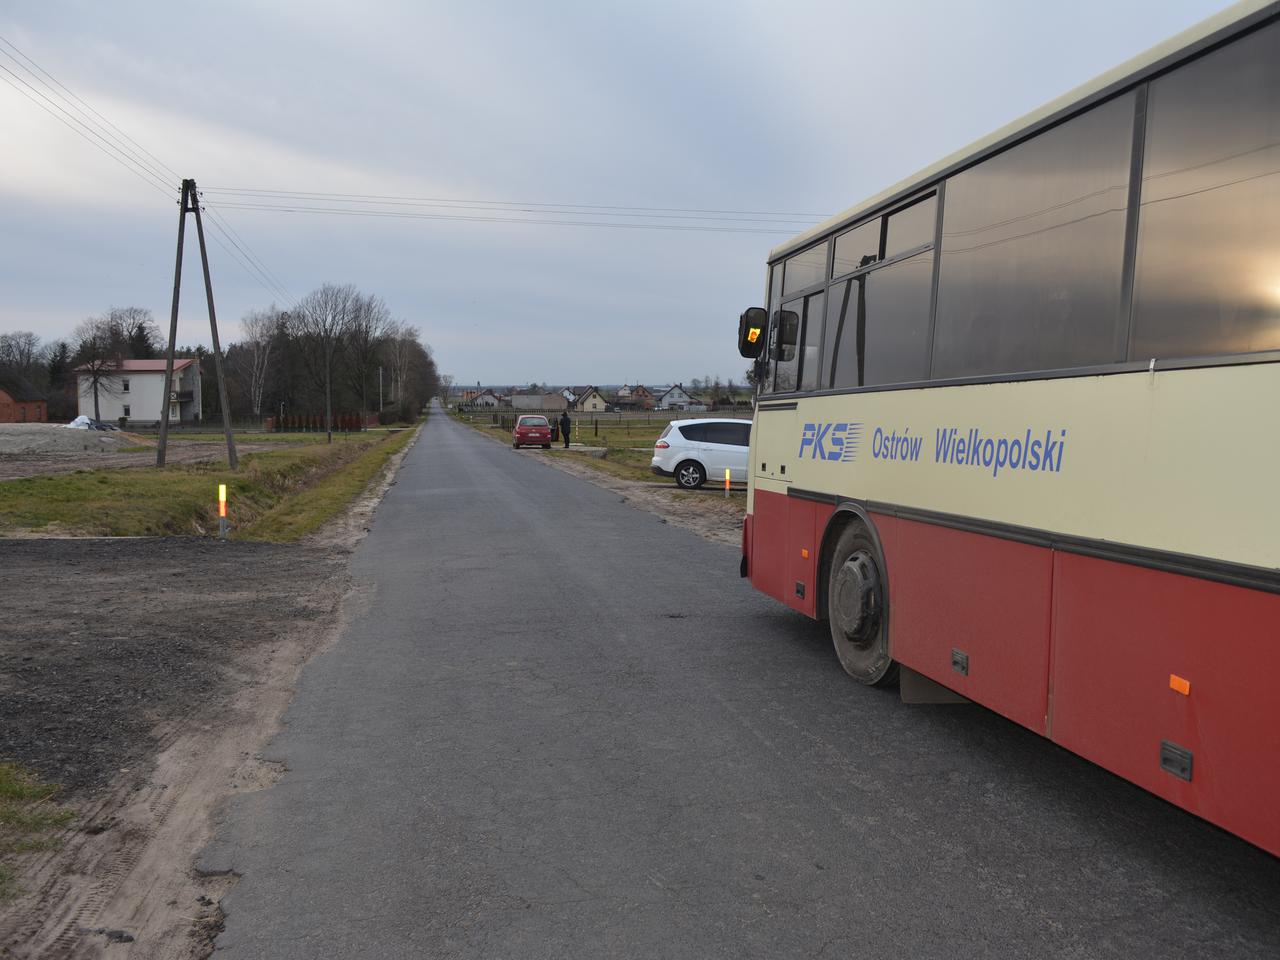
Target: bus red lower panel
(1170, 681)
(981, 602)
(1144, 658)
(786, 534)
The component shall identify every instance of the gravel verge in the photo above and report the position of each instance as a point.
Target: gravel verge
(109, 639)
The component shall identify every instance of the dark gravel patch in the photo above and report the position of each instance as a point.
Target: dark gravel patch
(103, 640)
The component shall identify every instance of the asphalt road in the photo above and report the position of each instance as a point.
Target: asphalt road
(557, 727)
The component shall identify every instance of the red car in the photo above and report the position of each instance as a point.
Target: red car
(531, 431)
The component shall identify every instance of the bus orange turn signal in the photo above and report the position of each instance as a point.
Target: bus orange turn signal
(1179, 685)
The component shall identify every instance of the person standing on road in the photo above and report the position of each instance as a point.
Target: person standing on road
(565, 423)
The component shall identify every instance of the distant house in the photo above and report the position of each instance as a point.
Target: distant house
(588, 400)
(484, 398)
(135, 390)
(678, 398)
(636, 397)
(643, 397)
(20, 402)
(537, 400)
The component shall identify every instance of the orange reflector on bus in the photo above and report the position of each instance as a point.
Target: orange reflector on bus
(1179, 685)
(804, 554)
(753, 335)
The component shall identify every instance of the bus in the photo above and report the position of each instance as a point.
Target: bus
(1017, 425)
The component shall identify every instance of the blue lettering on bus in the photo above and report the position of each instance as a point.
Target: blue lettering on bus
(830, 441)
(1031, 453)
(895, 445)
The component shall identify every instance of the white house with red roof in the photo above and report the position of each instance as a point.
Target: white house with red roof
(134, 390)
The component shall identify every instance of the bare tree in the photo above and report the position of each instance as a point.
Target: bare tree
(135, 329)
(446, 386)
(319, 325)
(261, 327)
(98, 350)
(362, 344)
(21, 352)
(401, 339)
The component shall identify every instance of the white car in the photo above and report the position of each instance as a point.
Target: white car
(694, 451)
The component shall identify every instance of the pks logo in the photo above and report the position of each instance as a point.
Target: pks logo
(830, 441)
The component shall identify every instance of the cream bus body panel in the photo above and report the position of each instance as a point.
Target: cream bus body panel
(1164, 460)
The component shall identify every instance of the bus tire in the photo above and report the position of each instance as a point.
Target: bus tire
(690, 475)
(857, 609)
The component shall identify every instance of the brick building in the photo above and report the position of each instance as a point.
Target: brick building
(20, 402)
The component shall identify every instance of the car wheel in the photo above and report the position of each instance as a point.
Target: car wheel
(546, 446)
(857, 609)
(690, 475)
(515, 446)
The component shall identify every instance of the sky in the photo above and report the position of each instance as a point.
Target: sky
(559, 111)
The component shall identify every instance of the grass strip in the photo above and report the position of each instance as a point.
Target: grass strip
(29, 821)
(176, 500)
(308, 510)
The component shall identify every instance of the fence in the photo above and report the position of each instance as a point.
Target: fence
(289, 423)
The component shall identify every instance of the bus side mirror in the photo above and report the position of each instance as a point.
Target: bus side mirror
(751, 330)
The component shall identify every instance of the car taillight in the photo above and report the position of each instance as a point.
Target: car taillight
(661, 445)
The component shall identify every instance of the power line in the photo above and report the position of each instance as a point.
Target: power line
(237, 259)
(545, 210)
(246, 257)
(77, 129)
(90, 127)
(309, 194)
(241, 244)
(396, 215)
(279, 202)
(84, 103)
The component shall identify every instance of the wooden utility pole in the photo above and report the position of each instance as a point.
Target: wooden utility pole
(173, 330)
(190, 203)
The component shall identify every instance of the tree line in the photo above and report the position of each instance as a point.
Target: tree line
(339, 351)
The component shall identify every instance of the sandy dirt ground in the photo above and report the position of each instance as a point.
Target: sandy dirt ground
(146, 675)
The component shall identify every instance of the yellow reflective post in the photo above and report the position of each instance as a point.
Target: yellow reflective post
(726, 481)
(222, 511)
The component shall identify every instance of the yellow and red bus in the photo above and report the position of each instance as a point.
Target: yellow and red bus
(1017, 432)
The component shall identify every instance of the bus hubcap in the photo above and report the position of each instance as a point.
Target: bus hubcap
(857, 599)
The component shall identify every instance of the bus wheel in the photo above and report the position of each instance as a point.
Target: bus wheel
(856, 610)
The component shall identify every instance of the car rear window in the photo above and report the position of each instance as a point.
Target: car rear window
(733, 434)
(697, 432)
(665, 431)
(533, 421)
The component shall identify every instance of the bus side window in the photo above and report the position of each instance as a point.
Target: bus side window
(811, 350)
(1208, 235)
(883, 324)
(783, 346)
(1033, 251)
